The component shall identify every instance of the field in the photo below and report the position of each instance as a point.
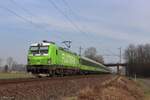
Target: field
(13, 75)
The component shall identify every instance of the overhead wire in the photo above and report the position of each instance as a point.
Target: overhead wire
(111, 54)
(70, 9)
(29, 21)
(65, 15)
(75, 15)
(19, 16)
(29, 13)
(24, 9)
(69, 20)
(76, 26)
(25, 19)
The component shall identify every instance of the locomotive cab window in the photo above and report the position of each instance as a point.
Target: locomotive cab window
(34, 50)
(39, 50)
(44, 49)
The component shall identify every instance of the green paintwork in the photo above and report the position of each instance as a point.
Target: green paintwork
(57, 56)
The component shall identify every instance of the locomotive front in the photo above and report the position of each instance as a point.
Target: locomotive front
(38, 57)
(39, 54)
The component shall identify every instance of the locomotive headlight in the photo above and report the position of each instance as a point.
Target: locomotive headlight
(28, 60)
(49, 61)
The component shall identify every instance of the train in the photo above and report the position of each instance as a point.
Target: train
(48, 58)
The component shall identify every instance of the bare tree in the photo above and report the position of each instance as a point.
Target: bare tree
(14, 66)
(92, 54)
(6, 68)
(138, 60)
(1, 61)
(99, 58)
(9, 62)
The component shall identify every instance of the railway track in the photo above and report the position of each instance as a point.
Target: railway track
(56, 88)
(28, 80)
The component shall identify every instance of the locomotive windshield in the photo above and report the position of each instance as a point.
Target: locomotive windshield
(34, 48)
(39, 50)
(44, 50)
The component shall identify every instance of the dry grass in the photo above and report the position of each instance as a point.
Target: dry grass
(13, 75)
(145, 84)
(88, 88)
(115, 89)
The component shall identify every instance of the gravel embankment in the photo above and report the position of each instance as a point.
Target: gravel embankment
(97, 87)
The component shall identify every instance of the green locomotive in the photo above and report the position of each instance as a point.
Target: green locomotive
(48, 58)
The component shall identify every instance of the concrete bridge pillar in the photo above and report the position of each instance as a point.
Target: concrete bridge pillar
(118, 69)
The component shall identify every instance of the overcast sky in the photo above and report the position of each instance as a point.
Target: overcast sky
(104, 24)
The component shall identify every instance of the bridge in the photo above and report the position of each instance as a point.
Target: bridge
(116, 65)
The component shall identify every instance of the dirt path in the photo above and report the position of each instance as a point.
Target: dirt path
(101, 87)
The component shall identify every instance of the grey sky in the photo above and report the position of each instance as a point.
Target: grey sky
(108, 25)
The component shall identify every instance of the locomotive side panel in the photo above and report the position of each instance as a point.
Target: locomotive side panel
(67, 59)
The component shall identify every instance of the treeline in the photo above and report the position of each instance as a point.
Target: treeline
(138, 59)
(11, 65)
(92, 53)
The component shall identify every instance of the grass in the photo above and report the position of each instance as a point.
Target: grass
(14, 75)
(145, 84)
(69, 98)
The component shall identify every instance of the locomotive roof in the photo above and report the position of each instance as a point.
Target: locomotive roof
(45, 43)
(42, 43)
(90, 60)
(61, 48)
